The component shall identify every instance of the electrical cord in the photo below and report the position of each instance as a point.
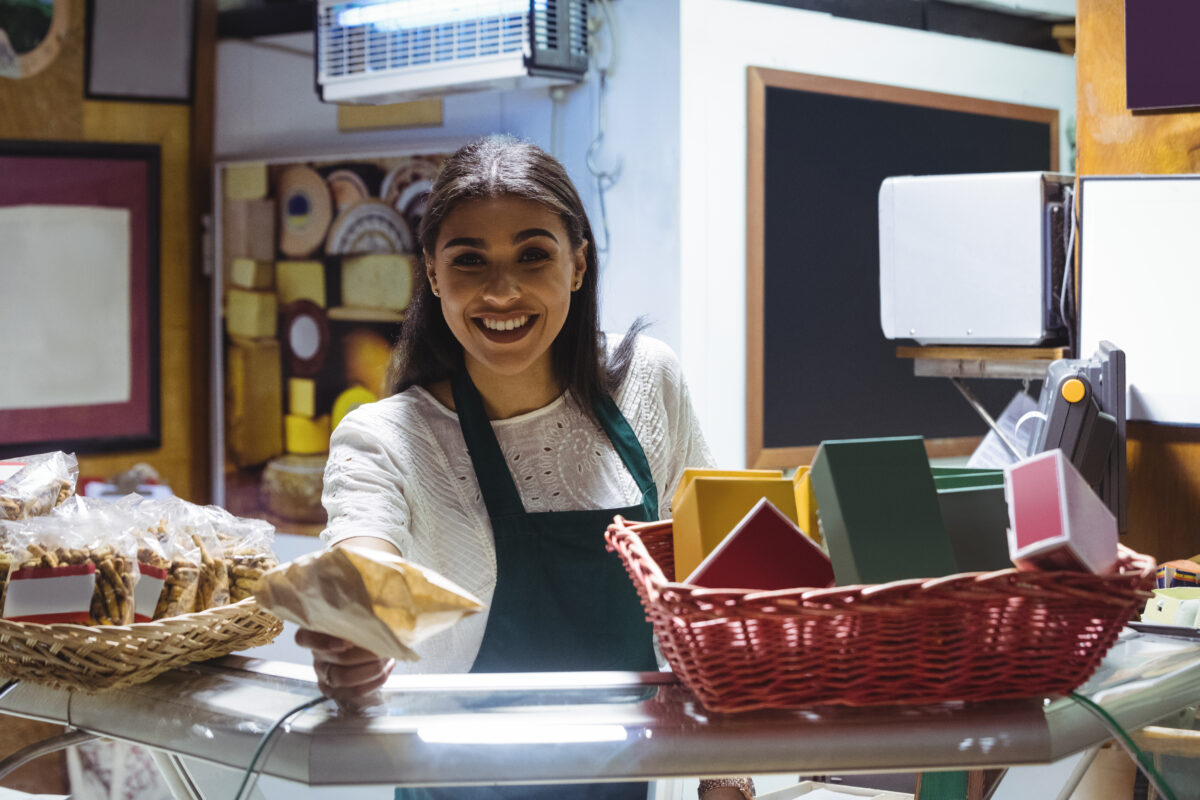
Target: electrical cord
(1068, 272)
(251, 777)
(605, 179)
(1144, 763)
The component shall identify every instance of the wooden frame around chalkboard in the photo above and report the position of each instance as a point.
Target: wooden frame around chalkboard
(759, 79)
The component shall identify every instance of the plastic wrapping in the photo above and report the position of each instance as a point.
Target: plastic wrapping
(150, 559)
(248, 551)
(188, 533)
(85, 544)
(39, 483)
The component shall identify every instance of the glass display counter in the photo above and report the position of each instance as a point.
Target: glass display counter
(562, 727)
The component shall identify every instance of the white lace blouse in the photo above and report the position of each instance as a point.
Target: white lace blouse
(399, 470)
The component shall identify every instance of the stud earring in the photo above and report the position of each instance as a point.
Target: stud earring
(436, 293)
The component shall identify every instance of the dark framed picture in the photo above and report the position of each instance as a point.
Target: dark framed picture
(140, 50)
(79, 293)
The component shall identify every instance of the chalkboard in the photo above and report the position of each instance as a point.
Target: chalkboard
(818, 365)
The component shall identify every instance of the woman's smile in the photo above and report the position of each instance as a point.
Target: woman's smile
(507, 329)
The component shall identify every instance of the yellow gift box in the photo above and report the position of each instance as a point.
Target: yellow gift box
(709, 503)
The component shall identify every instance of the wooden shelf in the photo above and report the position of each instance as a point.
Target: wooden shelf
(1013, 363)
(984, 353)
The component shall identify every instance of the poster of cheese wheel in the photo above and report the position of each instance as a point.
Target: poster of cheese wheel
(315, 263)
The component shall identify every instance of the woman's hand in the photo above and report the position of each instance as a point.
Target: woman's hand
(345, 673)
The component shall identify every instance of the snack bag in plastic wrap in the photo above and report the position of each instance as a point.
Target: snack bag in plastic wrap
(78, 564)
(168, 555)
(188, 532)
(248, 554)
(33, 485)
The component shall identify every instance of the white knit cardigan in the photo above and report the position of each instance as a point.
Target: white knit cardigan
(399, 470)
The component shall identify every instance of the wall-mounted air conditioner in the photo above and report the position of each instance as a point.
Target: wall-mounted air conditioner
(388, 51)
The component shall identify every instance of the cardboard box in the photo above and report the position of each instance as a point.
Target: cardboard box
(766, 551)
(1056, 521)
(879, 511)
(709, 507)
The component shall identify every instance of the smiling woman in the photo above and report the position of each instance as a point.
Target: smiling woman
(514, 435)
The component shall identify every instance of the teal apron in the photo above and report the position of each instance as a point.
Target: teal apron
(562, 602)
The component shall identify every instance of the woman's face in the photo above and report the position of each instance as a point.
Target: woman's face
(505, 269)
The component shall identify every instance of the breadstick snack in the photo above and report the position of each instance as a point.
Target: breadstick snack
(213, 588)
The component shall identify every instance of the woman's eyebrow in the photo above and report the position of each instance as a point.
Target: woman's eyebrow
(529, 233)
(465, 241)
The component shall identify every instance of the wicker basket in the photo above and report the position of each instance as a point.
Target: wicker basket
(91, 659)
(966, 637)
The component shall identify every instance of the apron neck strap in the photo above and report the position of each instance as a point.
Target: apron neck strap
(491, 470)
(626, 443)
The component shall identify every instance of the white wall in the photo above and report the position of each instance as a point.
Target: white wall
(267, 107)
(719, 40)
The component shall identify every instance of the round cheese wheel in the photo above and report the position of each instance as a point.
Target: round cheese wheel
(305, 210)
(369, 227)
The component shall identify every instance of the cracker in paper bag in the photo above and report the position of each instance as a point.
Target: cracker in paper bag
(370, 598)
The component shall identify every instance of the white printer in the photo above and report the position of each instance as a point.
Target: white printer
(974, 259)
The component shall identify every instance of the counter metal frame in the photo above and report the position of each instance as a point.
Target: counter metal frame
(588, 726)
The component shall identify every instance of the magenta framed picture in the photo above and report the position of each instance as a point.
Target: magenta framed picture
(79, 289)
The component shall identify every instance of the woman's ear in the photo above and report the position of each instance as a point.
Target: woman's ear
(580, 259)
(430, 274)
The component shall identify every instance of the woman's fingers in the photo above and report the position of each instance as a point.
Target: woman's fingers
(312, 640)
(331, 648)
(344, 671)
(348, 658)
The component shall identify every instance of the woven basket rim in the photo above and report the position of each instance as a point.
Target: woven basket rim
(93, 659)
(1131, 565)
(166, 625)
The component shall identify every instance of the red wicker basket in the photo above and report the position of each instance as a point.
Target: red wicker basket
(967, 637)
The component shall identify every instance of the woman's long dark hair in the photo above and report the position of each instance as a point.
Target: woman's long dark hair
(499, 166)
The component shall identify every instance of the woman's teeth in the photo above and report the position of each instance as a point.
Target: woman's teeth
(505, 324)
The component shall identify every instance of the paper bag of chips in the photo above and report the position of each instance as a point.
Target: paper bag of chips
(375, 600)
